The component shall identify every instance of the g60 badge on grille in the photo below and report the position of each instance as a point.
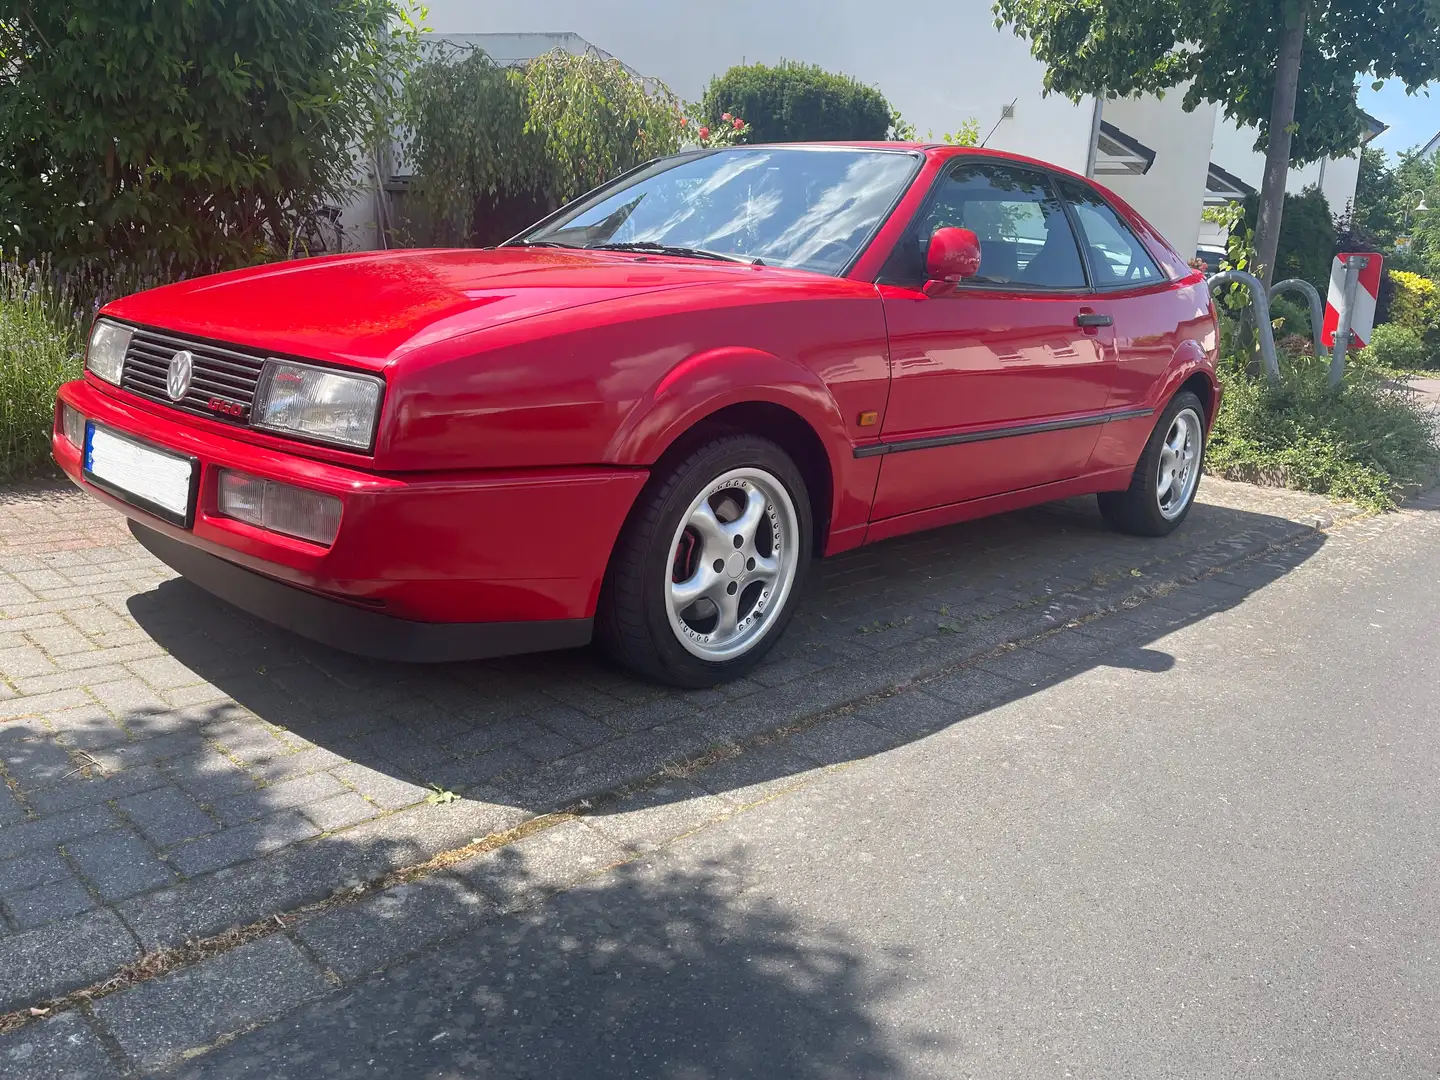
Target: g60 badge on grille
(177, 379)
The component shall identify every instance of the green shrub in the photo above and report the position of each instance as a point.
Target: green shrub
(1307, 237)
(1397, 348)
(1362, 442)
(799, 103)
(494, 148)
(40, 347)
(199, 129)
(1415, 305)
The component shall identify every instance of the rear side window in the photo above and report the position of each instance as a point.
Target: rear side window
(1025, 239)
(1117, 257)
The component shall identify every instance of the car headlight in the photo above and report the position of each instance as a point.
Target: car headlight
(317, 403)
(105, 355)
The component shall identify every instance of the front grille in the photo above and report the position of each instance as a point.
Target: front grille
(220, 374)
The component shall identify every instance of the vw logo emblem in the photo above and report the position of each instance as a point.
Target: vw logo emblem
(177, 380)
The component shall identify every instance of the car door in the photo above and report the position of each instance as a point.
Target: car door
(1148, 318)
(996, 384)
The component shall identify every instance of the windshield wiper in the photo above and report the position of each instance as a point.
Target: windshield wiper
(543, 243)
(671, 249)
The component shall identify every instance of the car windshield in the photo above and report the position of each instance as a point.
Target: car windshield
(813, 208)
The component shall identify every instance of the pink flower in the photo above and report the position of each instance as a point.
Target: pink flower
(704, 133)
(739, 123)
(683, 121)
(724, 116)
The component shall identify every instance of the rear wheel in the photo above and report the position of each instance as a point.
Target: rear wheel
(1163, 487)
(709, 566)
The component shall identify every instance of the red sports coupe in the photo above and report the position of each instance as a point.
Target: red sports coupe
(642, 418)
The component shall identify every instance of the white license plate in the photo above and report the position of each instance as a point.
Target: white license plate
(152, 479)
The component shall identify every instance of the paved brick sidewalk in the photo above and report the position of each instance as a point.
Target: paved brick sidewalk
(176, 768)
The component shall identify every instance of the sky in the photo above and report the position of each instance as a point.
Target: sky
(1413, 119)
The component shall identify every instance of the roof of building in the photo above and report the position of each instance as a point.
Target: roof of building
(1117, 152)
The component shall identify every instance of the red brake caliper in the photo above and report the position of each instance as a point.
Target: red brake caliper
(686, 553)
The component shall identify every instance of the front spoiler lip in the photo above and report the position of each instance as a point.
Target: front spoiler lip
(354, 629)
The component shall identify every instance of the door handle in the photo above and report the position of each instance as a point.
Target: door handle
(1093, 318)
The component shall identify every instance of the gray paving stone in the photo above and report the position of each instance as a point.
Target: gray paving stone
(30, 755)
(35, 868)
(119, 864)
(909, 714)
(302, 874)
(360, 938)
(520, 873)
(55, 829)
(341, 811)
(242, 842)
(47, 903)
(973, 690)
(61, 957)
(289, 795)
(757, 773)
(167, 816)
(80, 790)
(157, 1021)
(64, 1047)
(841, 738)
(384, 790)
(208, 774)
(651, 818)
(574, 725)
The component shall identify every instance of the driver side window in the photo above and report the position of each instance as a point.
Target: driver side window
(1026, 242)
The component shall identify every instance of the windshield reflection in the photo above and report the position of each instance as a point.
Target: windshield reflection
(812, 208)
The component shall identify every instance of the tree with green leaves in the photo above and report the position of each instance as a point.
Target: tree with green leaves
(1288, 67)
(196, 133)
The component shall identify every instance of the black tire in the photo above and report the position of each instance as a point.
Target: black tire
(1138, 510)
(632, 622)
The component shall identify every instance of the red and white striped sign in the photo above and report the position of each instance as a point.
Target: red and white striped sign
(1362, 317)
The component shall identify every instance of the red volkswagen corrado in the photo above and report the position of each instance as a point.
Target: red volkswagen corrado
(642, 418)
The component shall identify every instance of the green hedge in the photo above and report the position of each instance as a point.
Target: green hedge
(798, 103)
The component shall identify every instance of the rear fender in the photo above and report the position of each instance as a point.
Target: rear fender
(1190, 359)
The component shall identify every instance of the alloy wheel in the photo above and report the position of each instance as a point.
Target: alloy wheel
(1179, 469)
(733, 563)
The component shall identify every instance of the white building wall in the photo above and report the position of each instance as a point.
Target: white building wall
(1170, 195)
(941, 64)
(1235, 152)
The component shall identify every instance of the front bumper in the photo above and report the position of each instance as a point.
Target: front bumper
(510, 547)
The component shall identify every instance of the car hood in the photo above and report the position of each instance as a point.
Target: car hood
(368, 310)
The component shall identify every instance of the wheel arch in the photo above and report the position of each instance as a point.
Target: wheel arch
(743, 390)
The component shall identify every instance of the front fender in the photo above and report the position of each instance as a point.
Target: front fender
(707, 382)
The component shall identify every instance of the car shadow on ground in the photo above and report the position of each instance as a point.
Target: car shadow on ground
(538, 732)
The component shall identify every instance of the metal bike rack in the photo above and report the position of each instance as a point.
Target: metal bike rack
(1317, 307)
(1260, 305)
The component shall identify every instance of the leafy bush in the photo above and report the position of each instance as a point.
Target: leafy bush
(1362, 442)
(1307, 237)
(799, 103)
(1415, 305)
(200, 130)
(40, 348)
(1397, 348)
(491, 146)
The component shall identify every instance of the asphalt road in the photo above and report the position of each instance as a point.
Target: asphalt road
(1217, 856)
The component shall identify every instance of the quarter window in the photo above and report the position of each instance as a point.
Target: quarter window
(1025, 238)
(1116, 255)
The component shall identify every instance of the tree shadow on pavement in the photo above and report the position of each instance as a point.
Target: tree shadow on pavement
(642, 972)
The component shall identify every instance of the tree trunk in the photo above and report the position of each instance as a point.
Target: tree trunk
(1277, 154)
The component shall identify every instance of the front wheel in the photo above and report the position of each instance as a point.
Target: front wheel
(708, 568)
(1162, 489)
